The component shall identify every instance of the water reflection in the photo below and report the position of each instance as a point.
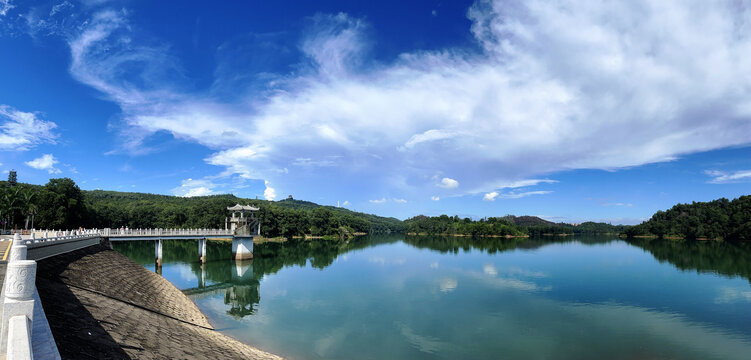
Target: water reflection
(443, 297)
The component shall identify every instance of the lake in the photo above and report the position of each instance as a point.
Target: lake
(412, 297)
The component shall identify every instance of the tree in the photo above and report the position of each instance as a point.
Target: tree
(64, 206)
(29, 208)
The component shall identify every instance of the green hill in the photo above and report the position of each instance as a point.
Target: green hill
(508, 225)
(61, 204)
(720, 219)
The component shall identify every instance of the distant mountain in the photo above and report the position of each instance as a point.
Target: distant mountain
(527, 220)
(508, 225)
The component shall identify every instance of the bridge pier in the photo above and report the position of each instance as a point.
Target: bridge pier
(242, 248)
(202, 278)
(158, 252)
(202, 250)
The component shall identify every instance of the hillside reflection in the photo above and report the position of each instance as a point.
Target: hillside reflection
(238, 282)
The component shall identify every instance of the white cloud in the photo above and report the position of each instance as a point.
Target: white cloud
(194, 187)
(23, 130)
(269, 193)
(722, 177)
(490, 196)
(518, 195)
(514, 184)
(430, 135)
(45, 162)
(346, 203)
(448, 183)
(552, 83)
(61, 7)
(435, 198)
(378, 201)
(5, 6)
(400, 201)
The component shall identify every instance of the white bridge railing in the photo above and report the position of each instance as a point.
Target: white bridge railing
(19, 286)
(18, 306)
(165, 232)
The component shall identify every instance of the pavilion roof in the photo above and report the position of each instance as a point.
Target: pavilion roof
(239, 207)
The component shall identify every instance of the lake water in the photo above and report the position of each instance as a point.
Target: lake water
(407, 297)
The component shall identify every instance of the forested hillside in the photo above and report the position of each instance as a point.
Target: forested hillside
(720, 219)
(503, 226)
(61, 204)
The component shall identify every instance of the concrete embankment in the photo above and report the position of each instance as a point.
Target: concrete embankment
(100, 304)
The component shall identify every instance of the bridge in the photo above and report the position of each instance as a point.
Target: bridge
(24, 332)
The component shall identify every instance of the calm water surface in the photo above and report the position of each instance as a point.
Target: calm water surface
(405, 297)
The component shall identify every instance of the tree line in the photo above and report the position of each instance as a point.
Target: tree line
(503, 226)
(61, 204)
(720, 219)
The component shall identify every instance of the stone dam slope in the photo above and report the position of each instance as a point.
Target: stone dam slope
(100, 304)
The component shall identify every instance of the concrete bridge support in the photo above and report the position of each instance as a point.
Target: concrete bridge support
(243, 273)
(242, 248)
(202, 250)
(158, 252)
(202, 278)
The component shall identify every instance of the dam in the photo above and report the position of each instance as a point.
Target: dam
(67, 294)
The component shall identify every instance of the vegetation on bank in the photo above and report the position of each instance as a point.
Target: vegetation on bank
(720, 219)
(61, 204)
(507, 226)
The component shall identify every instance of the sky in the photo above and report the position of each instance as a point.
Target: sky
(571, 110)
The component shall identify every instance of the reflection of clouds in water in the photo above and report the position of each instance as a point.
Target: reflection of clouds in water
(382, 261)
(616, 262)
(434, 265)
(490, 273)
(448, 284)
(505, 282)
(304, 304)
(332, 341)
(186, 274)
(732, 295)
(705, 341)
(514, 270)
(489, 269)
(517, 284)
(426, 344)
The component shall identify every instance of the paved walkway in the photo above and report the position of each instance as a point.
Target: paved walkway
(100, 304)
(4, 248)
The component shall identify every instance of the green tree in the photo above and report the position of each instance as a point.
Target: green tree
(64, 206)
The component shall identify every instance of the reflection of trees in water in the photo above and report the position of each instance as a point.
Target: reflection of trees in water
(242, 279)
(490, 245)
(182, 251)
(720, 257)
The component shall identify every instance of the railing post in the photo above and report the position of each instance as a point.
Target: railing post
(20, 279)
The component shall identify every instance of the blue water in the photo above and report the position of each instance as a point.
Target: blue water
(403, 297)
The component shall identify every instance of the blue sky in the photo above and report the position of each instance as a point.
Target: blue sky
(569, 110)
